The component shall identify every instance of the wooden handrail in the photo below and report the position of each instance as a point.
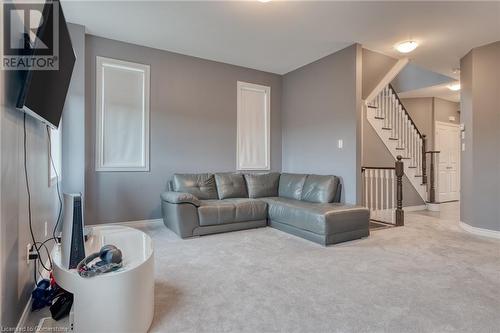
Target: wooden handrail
(363, 168)
(404, 109)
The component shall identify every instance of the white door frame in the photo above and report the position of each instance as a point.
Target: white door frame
(436, 168)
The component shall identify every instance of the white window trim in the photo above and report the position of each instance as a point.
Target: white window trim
(99, 151)
(267, 90)
(53, 180)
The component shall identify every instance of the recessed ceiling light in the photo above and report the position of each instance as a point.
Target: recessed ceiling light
(454, 87)
(407, 47)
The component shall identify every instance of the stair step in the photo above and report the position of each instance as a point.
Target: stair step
(393, 139)
(387, 128)
(400, 148)
(381, 118)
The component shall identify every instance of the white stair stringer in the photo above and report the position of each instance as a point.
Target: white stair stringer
(391, 144)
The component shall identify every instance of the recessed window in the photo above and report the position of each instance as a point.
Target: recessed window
(122, 115)
(253, 127)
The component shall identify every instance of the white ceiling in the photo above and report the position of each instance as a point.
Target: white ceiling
(280, 36)
(440, 91)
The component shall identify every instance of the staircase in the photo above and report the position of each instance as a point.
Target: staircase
(387, 115)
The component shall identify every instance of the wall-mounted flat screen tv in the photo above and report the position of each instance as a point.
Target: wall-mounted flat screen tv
(44, 91)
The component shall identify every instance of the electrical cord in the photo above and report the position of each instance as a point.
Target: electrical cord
(28, 190)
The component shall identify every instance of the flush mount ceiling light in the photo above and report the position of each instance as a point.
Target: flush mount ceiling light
(406, 47)
(454, 87)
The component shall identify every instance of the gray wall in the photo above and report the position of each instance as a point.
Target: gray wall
(193, 127)
(375, 153)
(421, 110)
(16, 276)
(425, 111)
(480, 162)
(444, 109)
(73, 121)
(321, 104)
(375, 66)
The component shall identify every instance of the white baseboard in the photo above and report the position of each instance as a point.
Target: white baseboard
(414, 208)
(480, 231)
(434, 206)
(129, 223)
(21, 324)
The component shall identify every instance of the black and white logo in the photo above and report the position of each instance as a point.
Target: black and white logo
(30, 35)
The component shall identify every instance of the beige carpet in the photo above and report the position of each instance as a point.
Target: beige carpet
(429, 276)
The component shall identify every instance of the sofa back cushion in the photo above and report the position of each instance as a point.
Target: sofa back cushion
(201, 185)
(262, 184)
(320, 189)
(290, 185)
(230, 185)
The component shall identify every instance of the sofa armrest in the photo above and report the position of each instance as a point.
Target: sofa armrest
(180, 197)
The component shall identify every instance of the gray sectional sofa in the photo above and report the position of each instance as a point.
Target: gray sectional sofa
(307, 206)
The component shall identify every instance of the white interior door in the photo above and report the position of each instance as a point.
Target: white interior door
(448, 173)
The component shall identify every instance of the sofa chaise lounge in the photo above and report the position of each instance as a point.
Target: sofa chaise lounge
(307, 206)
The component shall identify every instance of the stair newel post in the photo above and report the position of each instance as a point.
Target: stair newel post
(432, 190)
(400, 217)
(424, 159)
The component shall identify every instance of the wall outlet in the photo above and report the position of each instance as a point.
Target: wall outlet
(28, 250)
(341, 144)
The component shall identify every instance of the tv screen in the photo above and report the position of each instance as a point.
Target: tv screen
(44, 91)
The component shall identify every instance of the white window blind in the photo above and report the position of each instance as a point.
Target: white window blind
(122, 113)
(253, 126)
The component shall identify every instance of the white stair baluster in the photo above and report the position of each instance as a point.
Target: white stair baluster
(385, 108)
(407, 141)
(387, 189)
(371, 189)
(393, 116)
(412, 146)
(366, 187)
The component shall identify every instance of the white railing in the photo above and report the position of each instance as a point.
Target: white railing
(401, 126)
(379, 191)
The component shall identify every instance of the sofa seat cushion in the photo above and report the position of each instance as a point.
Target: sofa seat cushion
(213, 212)
(319, 218)
(200, 185)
